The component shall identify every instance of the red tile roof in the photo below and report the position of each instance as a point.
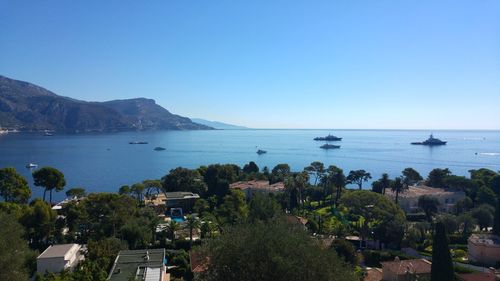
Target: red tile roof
(258, 184)
(481, 276)
(199, 262)
(401, 267)
(373, 274)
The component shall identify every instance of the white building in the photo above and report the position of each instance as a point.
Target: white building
(57, 258)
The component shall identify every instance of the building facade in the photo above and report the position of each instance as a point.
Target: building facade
(57, 258)
(484, 249)
(408, 200)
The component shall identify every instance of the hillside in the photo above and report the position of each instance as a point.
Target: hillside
(28, 107)
(218, 125)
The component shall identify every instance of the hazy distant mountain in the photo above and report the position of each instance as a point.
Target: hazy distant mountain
(28, 107)
(218, 125)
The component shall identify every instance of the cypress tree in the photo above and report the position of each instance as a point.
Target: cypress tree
(442, 265)
(496, 223)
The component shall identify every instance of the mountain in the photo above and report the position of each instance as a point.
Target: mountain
(218, 125)
(28, 107)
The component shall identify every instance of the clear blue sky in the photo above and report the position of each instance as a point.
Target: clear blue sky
(269, 64)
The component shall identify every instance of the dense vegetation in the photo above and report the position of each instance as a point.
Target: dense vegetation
(109, 222)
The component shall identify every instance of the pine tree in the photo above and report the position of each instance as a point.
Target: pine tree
(442, 266)
(496, 222)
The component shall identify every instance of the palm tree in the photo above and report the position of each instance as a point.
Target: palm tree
(385, 182)
(398, 186)
(172, 227)
(192, 222)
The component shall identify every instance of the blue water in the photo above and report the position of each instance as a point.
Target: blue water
(104, 162)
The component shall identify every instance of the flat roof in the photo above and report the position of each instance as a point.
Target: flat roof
(129, 263)
(57, 251)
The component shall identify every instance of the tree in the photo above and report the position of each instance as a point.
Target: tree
(482, 176)
(192, 223)
(450, 222)
(436, 177)
(124, 190)
(152, 186)
(345, 250)
(280, 172)
(496, 220)
(172, 227)
(381, 184)
(138, 190)
(483, 215)
(315, 169)
(13, 187)
(218, 177)
(50, 179)
(411, 176)
(358, 177)
(336, 176)
(234, 208)
(250, 168)
(463, 206)
(442, 265)
(398, 187)
(182, 179)
(14, 250)
(375, 207)
(263, 208)
(485, 195)
(39, 221)
(77, 192)
(272, 251)
(495, 184)
(137, 233)
(466, 224)
(429, 205)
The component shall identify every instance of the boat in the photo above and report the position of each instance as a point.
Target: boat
(329, 146)
(31, 165)
(431, 141)
(260, 151)
(328, 138)
(159, 148)
(47, 133)
(138, 142)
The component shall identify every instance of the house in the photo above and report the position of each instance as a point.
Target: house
(57, 258)
(408, 200)
(404, 270)
(168, 200)
(484, 249)
(253, 186)
(139, 265)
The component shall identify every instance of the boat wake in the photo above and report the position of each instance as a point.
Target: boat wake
(490, 153)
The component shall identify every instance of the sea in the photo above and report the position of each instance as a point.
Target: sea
(104, 162)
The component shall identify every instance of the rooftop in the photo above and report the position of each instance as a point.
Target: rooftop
(479, 276)
(417, 191)
(161, 198)
(199, 262)
(373, 274)
(485, 239)
(258, 184)
(145, 264)
(58, 251)
(403, 266)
